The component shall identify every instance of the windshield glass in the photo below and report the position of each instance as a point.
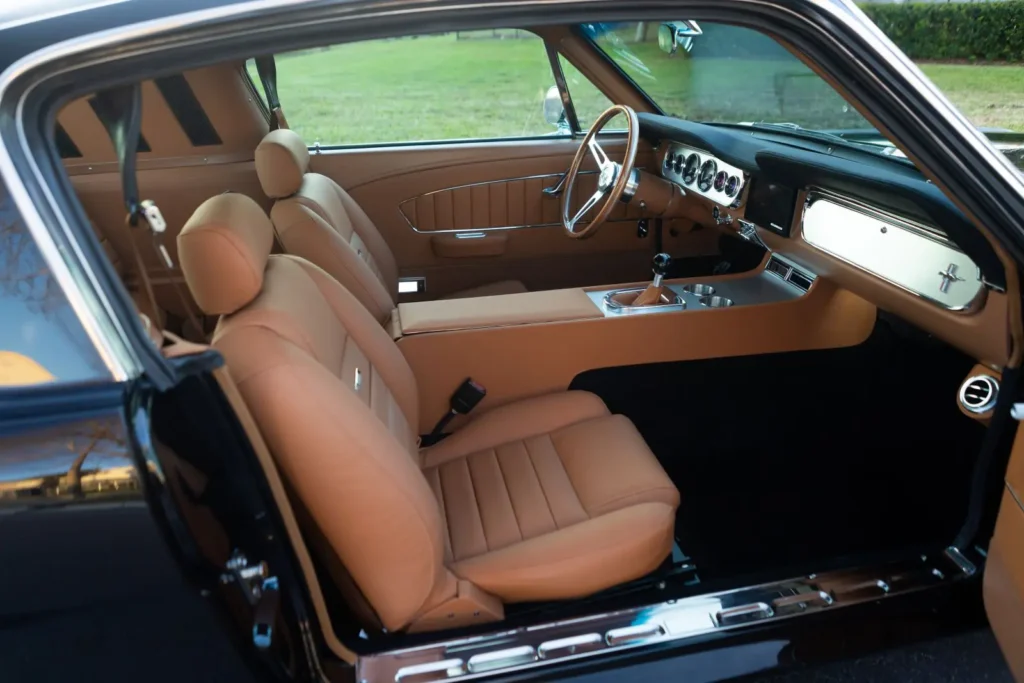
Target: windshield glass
(725, 74)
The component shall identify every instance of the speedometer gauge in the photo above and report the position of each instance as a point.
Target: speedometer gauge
(690, 169)
(707, 175)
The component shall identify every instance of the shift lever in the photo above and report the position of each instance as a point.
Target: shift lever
(652, 295)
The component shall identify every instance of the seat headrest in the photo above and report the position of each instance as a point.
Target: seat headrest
(282, 158)
(223, 250)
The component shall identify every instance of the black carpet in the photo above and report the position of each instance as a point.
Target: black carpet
(799, 461)
(972, 657)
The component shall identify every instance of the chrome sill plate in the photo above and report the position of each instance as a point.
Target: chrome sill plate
(542, 645)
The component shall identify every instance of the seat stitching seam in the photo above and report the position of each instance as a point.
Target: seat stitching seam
(476, 501)
(444, 511)
(543, 491)
(568, 478)
(508, 493)
(604, 505)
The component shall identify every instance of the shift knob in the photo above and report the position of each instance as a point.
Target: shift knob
(661, 264)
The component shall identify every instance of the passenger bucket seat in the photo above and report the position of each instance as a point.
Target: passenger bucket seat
(544, 499)
(317, 220)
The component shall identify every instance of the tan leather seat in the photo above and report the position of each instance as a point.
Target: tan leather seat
(317, 220)
(547, 498)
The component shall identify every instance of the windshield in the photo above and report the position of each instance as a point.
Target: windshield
(726, 74)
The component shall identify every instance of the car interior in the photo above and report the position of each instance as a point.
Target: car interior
(515, 381)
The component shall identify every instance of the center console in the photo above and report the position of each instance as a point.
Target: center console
(521, 345)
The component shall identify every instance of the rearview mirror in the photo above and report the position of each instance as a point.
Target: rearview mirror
(554, 111)
(673, 35)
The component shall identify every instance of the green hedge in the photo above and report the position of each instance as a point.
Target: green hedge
(984, 31)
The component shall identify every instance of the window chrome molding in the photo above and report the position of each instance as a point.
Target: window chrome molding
(563, 89)
(916, 258)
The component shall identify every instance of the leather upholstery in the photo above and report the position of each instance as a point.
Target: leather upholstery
(223, 249)
(317, 220)
(547, 498)
(532, 493)
(282, 160)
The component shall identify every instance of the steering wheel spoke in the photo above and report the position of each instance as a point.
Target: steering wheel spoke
(587, 206)
(598, 152)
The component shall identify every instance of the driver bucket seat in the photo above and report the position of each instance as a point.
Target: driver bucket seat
(547, 498)
(317, 220)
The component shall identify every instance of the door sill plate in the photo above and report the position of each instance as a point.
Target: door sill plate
(532, 647)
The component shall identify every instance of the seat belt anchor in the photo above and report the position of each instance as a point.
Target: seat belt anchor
(157, 227)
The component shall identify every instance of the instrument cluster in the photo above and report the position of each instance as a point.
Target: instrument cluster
(700, 172)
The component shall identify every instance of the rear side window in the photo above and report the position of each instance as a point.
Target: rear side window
(466, 85)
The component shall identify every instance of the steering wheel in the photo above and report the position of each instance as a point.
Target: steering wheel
(614, 178)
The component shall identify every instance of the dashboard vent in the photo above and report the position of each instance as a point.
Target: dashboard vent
(978, 394)
(788, 273)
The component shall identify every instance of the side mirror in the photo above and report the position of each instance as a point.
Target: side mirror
(554, 112)
(675, 34)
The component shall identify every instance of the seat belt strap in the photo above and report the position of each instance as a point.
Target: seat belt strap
(124, 125)
(267, 70)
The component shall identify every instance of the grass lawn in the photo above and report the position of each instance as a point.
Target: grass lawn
(443, 87)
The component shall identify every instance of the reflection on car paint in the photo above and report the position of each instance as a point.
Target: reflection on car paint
(82, 461)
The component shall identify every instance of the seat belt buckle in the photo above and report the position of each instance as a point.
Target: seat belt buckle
(467, 396)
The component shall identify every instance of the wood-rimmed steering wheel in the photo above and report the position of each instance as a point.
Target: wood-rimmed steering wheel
(614, 178)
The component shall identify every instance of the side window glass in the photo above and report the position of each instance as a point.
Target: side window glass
(465, 85)
(41, 339)
(257, 84)
(588, 101)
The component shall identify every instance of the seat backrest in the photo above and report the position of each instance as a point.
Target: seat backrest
(317, 220)
(335, 400)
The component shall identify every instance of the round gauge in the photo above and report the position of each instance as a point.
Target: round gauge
(732, 186)
(668, 161)
(720, 180)
(707, 175)
(690, 169)
(679, 163)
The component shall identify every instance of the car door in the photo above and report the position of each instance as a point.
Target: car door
(1004, 569)
(443, 141)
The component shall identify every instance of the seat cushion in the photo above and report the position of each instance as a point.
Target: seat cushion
(551, 498)
(491, 289)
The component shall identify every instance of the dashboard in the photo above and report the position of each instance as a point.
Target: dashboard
(869, 212)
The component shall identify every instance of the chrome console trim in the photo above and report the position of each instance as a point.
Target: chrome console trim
(915, 257)
(759, 287)
(670, 302)
(531, 647)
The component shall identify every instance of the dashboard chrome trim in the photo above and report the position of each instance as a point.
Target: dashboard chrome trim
(917, 258)
(674, 173)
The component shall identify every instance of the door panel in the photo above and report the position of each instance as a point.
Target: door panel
(1004, 569)
(416, 194)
